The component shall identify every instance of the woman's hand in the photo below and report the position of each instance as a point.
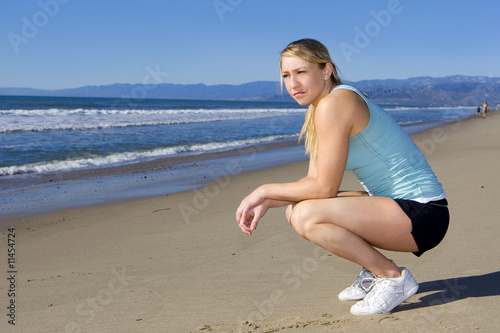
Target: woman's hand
(253, 217)
(251, 210)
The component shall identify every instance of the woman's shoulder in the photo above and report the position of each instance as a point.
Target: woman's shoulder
(343, 99)
(347, 107)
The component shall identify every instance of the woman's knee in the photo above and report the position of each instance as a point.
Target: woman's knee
(301, 217)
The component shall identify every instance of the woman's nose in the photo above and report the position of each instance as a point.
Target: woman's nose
(293, 82)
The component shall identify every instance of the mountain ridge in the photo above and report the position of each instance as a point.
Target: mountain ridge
(425, 90)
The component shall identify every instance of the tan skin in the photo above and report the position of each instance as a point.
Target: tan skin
(349, 224)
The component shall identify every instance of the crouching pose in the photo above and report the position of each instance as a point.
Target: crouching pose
(404, 206)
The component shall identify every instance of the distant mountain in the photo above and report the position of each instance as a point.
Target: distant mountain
(259, 90)
(450, 90)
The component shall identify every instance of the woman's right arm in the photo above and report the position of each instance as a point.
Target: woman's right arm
(311, 173)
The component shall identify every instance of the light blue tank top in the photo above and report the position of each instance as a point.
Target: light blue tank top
(387, 162)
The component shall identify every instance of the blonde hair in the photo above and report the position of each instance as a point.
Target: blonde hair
(314, 52)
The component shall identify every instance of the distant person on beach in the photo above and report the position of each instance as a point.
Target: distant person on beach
(478, 111)
(403, 209)
(485, 109)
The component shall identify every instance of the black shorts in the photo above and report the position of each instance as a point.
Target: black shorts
(429, 222)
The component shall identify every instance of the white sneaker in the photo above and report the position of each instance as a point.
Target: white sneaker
(359, 288)
(386, 294)
(363, 284)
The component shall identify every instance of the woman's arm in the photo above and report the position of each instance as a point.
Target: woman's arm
(333, 121)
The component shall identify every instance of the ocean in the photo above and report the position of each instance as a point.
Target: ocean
(41, 136)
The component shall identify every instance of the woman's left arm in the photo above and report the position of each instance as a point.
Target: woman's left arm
(333, 121)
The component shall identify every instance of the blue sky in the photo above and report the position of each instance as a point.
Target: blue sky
(53, 44)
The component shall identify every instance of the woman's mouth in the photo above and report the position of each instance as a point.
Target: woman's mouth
(298, 94)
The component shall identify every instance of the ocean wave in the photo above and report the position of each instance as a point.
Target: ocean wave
(83, 119)
(89, 112)
(428, 108)
(103, 125)
(137, 156)
(410, 122)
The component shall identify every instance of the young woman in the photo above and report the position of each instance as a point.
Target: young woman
(404, 206)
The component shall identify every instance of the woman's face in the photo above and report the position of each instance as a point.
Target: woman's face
(305, 82)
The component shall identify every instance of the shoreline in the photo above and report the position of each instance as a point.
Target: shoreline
(179, 263)
(25, 195)
(34, 194)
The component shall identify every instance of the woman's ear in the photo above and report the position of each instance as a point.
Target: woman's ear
(327, 71)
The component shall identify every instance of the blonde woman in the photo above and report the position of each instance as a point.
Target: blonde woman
(404, 206)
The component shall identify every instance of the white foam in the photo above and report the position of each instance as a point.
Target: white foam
(428, 108)
(87, 119)
(132, 157)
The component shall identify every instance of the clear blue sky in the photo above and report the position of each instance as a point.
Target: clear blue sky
(54, 44)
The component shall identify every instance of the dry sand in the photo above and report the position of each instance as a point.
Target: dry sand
(179, 263)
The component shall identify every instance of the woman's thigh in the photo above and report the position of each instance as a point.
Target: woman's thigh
(378, 220)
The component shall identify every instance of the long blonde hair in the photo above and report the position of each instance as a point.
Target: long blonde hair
(314, 52)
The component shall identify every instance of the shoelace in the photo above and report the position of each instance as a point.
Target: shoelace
(367, 284)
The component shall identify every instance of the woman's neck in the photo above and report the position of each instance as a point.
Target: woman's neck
(328, 89)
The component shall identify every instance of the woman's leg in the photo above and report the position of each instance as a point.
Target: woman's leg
(351, 227)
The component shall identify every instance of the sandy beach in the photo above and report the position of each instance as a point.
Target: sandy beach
(179, 263)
